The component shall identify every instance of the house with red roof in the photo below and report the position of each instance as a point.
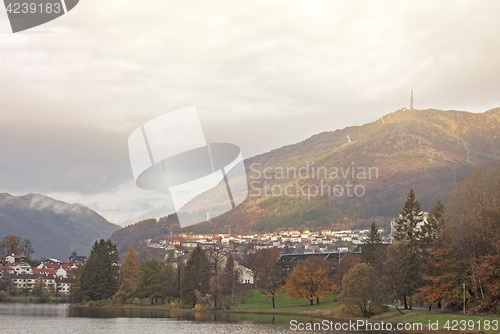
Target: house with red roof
(45, 272)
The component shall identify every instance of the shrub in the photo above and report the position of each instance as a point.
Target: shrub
(4, 296)
(175, 305)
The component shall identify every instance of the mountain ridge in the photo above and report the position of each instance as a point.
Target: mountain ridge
(55, 228)
(428, 150)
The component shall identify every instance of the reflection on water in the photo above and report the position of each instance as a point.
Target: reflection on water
(90, 312)
(34, 310)
(60, 318)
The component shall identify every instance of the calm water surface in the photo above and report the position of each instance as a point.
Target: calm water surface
(60, 318)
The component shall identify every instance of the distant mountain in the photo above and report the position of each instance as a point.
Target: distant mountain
(55, 228)
(427, 150)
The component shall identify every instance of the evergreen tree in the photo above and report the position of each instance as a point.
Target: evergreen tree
(154, 280)
(410, 220)
(434, 224)
(410, 235)
(99, 277)
(130, 271)
(372, 244)
(196, 276)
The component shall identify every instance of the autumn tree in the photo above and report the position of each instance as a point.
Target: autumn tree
(217, 260)
(256, 260)
(348, 261)
(27, 247)
(271, 279)
(443, 279)
(39, 287)
(229, 282)
(489, 273)
(130, 270)
(196, 276)
(99, 277)
(309, 280)
(394, 282)
(75, 293)
(466, 250)
(473, 228)
(360, 290)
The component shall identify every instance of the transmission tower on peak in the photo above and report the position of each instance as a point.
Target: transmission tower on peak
(411, 99)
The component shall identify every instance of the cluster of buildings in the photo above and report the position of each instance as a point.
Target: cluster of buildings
(307, 241)
(53, 272)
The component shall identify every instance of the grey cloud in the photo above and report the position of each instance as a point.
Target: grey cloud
(262, 74)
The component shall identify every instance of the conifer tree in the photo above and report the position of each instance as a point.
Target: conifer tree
(196, 276)
(410, 236)
(434, 224)
(155, 278)
(372, 243)
(99, 277)
(409, 220)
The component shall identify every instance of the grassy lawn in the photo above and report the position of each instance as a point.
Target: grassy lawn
(284, 303)
(30, 299)
(469, 323)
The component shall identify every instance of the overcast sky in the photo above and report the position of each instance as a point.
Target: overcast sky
(262, 74)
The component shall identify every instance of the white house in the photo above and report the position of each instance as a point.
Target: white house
(61, 273)
(15, 258)
(246, 275)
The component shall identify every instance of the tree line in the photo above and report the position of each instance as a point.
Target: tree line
(209, 279)
(440, 260)
(13, 244)
(434, 258)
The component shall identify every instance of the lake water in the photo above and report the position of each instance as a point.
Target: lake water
(60, 318)
(21, 318)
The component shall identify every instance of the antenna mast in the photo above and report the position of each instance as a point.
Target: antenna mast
(411, 99)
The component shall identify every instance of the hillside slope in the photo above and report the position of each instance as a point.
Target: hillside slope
(427, 150)
(55, 228)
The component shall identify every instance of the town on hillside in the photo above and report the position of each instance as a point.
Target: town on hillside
(294, 241)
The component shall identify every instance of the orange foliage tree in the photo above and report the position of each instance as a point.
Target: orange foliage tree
(489, 272)
(310, 280)
(443, 283)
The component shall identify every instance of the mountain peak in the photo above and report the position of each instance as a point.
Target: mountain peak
(55, 228)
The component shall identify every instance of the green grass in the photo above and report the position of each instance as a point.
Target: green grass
(257, 303)
(284, 304)
(30, 299)
(416, 316)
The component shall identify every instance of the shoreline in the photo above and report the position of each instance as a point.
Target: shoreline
(316, 316)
